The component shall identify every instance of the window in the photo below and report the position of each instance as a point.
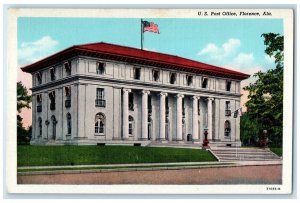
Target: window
(149, 104)
(183, 108)
(130, 125)
(39, 78)
(137, 73)
(173, 78)
(52, 74)
(100, 100)
(100, 124)
(155, 75)
(100, 68)
(189, 80)
(69, 124)
(52, 100)
(67, 66)
(204, 82)
(167, 105)
(39, 103)
(131, 101)
(68, 97)
(227, 108)
(228, 85)
(199, 107)
(40, 126)
(227, 129)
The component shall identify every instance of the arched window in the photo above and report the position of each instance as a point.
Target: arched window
(69, 124)
(227, 128)
(130, 125)
(100, 123)
(40, 125)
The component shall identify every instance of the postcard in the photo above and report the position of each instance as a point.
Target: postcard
(149, 101)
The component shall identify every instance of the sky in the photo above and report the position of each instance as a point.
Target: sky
(235, 44)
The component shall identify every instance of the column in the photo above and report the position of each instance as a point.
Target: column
(162, 108)
(209, 119)
(145, 114)
(125, 113)
(217, 119)
(179, 117)
(195, 118)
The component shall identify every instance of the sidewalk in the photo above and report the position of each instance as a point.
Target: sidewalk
(35, 170)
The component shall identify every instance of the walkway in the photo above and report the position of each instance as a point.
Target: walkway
(263, 174)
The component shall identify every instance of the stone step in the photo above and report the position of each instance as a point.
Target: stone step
(244, 154)
(250, 157)
(246, 159)
(250, 153)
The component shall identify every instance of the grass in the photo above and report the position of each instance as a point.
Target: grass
(83, 155)
(277, 150)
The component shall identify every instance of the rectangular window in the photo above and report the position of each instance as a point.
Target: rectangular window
(100, 68)
(204, 82)
(172, 78)
(167, 105)
(39, 77)
(130, 129)
(68, 97)
(100, 99)
(149, 104)
(189, 80)
(39, 103)
(198, 106)
(137, 73)
(131, 102)
(183, 108)
(67, 66)
(155, 75)
(227, 108)
(52, 74)
(228, 86)
(52, 100)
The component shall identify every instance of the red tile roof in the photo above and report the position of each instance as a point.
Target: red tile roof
(134, 55)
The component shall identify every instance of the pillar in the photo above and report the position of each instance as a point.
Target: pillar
(162, 123)
(179, 117)
(125, 113)
(209, 115)
(145, 114)
(195, 118)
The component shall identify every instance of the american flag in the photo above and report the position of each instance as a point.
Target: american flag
(150, 27)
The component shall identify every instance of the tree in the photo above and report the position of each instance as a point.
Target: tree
(23, 101)
(265, 104)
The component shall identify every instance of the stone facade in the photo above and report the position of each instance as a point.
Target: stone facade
(92, 100)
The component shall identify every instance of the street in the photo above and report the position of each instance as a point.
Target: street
(269, 174)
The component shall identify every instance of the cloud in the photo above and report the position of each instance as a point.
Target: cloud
(269, 59)
(30, 52)
(219, 53)
(209, 49)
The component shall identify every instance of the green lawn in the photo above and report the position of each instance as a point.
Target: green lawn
(277, 151)
(80, 155)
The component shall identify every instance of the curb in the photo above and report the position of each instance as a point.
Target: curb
(58, 172)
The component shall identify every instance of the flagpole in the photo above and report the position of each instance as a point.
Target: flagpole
(142, 34)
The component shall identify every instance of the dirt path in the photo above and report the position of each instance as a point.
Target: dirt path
(227, 175)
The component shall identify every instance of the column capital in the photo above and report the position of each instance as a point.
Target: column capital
(210, 99)
(196, 97)
(145, 92)
(163, 94)
(180, 95)
(126, 90)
